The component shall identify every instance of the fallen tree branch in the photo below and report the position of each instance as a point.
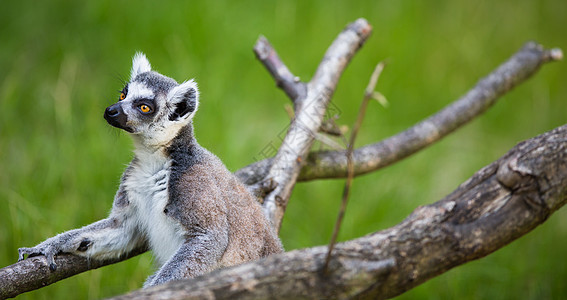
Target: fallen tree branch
(500, 203)
(34, 273)
(333, 164)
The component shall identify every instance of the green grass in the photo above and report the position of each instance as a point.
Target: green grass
(62, 62)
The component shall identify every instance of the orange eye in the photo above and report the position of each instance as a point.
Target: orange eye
(122, 96)
(145, 109)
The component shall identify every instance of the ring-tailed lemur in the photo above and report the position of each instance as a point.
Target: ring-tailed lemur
(175, 197)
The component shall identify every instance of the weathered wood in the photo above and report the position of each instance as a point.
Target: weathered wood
(500, 203)
(310, 102)
(33, 273)
(294, 88)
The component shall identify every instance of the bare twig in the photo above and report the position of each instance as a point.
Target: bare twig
(290, 112)
(330, 127)
(325, 140)
(368, 94)
(333, 164)
(500, 203)
(290, 84)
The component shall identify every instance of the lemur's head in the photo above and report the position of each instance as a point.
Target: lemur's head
(153, 107)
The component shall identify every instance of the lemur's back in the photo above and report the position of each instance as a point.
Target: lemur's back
(206, 188)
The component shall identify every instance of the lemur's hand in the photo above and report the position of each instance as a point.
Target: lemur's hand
(42, 249)
(65, 242)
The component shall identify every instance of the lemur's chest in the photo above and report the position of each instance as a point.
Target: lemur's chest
(147, 187)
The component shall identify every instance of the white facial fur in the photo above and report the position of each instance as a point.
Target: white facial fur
(140, 64)
(138, 90)
(158, 130)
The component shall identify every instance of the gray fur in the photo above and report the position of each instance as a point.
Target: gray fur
(175, 197)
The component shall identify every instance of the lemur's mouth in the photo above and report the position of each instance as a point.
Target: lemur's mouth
(116, 117)
(117, 125)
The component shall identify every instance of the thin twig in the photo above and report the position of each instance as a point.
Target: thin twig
(325, 140)
(289, 83)
(368, 94)
(331, 128)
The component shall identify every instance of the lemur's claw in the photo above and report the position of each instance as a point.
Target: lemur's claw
(51, 261)
(35, 251)
(21, 253)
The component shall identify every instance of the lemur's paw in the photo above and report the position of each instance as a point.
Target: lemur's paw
(48, 252)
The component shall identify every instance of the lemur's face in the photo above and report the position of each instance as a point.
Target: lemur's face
(151, 106)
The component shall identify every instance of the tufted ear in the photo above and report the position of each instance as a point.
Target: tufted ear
(140, 64)
(184, 98)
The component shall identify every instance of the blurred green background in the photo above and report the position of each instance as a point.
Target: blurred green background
(63, 62)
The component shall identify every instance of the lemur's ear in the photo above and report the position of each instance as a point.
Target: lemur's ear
(140, 64)
(185, 99)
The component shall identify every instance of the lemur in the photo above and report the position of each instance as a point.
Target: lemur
(175, 197)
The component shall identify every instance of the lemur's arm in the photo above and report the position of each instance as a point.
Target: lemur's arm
(107, 238)
(199, 254)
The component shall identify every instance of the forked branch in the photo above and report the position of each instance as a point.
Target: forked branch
(309, 112)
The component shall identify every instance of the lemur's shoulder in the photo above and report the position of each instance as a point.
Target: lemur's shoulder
(197, 185)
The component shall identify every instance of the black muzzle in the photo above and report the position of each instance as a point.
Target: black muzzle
(116, 117)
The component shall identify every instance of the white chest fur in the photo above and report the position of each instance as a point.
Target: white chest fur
(147, 189)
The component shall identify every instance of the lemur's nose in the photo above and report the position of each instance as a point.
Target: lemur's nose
(116, 117)
(112, 111)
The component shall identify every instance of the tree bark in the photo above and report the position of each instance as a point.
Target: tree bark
(34, 273)
(499, 204)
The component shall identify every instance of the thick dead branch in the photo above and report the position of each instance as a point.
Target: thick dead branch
(500, 203)
(310, 111)
(333, 164)
(33, 273)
